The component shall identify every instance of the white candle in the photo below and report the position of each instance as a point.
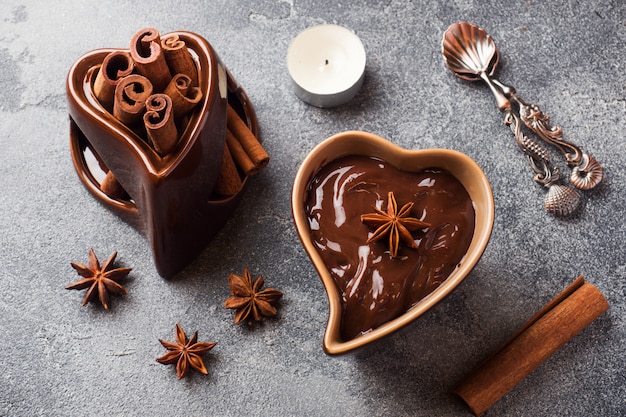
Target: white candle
(326, 64)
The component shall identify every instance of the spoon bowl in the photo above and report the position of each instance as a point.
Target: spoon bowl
(471, 54)
(469, 51)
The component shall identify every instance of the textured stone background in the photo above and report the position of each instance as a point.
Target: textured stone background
(58, 358)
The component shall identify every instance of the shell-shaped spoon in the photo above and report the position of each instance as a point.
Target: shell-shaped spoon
(471, 54)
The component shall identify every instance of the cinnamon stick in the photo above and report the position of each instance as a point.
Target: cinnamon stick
(111, 187)
(239, 154)
(183, 94)
(248, 141)
(146, 51)
(553, 326)
(131, 94)
(115, 66)
(159, 122)
(178, 57)
(228, 181)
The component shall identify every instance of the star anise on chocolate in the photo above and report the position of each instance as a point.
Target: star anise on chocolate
(100, 279)
(248, 300)
(185, 353)
(397, 225)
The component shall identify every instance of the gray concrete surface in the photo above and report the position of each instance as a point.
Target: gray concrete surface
(60, 359)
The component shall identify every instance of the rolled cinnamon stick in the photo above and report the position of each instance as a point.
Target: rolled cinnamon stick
(183, 94)
(239, 155)
(248, 141)
(178, 57)
(111, 187)
(228, 181)
(553, 326)
(159, 122)
(131, 94)
(146, 51)
(115, 66)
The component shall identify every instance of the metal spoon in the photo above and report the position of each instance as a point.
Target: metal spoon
(471, 54)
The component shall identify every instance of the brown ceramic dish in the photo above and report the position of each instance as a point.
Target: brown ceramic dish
(360, 143)
(171, 198)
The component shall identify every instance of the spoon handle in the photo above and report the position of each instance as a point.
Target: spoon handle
(560, 200)
(537, 154)
(586, 170)
(501, 100)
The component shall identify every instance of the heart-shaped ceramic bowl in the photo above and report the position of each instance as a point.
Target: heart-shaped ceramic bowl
(459, 165)
(171, 199)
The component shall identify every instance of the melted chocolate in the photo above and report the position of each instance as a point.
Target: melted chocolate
(374, 287)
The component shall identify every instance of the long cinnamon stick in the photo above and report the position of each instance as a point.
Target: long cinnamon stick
(228, 181)
(553, 326)
(115, 66)
(146, 51)
(178, 57)
(239, 154)
(183, 94)
(159, 122)
(131, 94)
(248, 141)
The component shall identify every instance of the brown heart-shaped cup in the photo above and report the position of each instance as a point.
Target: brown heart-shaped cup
(462, 176)
(170, 199)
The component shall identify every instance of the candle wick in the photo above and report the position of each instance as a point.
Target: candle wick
(326, 62)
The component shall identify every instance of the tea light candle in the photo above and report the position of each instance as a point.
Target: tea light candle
(326, 64)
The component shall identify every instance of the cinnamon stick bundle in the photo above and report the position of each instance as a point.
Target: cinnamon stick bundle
(159, 122)
(125, 84)
(178, 57)
(115, 66)
(248, 141)
(131, 94)
(553, 326)
(183, 94)
(146, 51)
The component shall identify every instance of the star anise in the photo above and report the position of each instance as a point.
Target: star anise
(248, 300)
(397, 224)
(185, 353)
(100, 279)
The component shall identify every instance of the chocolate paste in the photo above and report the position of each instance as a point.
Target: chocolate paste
(374, 287)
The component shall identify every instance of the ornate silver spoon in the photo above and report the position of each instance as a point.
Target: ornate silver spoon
(471, 54)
